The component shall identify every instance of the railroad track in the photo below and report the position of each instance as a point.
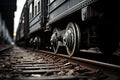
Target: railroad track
(107, 68)
(5, 48)
(25, 64)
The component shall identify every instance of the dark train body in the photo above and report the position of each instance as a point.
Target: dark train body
(74, 24)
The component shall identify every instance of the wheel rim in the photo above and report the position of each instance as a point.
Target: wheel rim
(72, 38)
(54, 40)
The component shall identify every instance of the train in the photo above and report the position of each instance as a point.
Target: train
(74, 25)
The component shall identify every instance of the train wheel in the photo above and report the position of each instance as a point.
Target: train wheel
(38, 42)
(54, 40)
(72, 38)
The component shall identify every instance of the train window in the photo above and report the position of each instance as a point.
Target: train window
(39, 6)
(35, 9)
(30, 11)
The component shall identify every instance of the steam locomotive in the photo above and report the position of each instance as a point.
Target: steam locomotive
(73, 24)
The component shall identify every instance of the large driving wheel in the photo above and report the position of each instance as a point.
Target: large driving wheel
(72, 38)
(54, 40)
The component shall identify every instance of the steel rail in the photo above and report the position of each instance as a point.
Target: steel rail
(4, 49)
(106, 67)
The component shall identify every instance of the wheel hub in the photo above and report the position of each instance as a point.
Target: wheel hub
(54, 40)
(69, 39)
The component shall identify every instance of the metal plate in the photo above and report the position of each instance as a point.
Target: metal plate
(65, 8)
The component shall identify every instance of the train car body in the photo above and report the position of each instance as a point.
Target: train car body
(84, 24)
(37, 20)
(37, 15)
(23, 26)
(74, 24)
(36, 11)
(59, 9)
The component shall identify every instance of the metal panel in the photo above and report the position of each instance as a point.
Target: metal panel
(56, 4)
(35, 24)
(74, 2)
(38, 21)
(62, 8)
(58, 10)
